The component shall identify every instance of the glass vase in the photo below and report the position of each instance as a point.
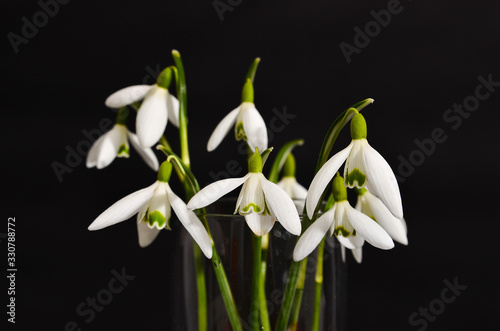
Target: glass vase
(233, 240)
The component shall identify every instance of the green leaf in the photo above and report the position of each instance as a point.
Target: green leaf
(280, 159)
(336, 127)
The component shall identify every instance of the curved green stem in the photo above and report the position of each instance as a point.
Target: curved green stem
(182, 96)
(252, 70)
(227, 295)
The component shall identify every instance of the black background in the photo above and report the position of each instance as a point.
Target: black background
(427, 59)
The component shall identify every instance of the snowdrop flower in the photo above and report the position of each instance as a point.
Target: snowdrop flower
(158, 106)
(247, 122)
(364, 167)
(260, 200)
(371, 206)
(350, 226)
(115, 143)
(290, 185)
(153, 206)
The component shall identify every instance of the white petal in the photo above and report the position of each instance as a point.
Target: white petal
(109, 147)
(191, 222)
(299, 192)
(281, 205)
(313, 235)
(159, 203)
(123, 209)
(147, 154)
(351, 242)
(368, 229)
(251, 198)
(173, 109)
(381, 181)
(254, 126)
(215, 191)
(94, 152)
(152, 117)
(323, 178)
(259, 224)
(222, 129)
(386, 219)
(145, 233)
(127, 95)
(358, 254)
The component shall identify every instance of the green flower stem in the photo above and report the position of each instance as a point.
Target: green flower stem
(318, 280)
(264, 313)
(286, 305)
(254, 297)
(182, 95)
(252, 70)
(202, 287)
(192, 187)
(227, 295)
(297, 300)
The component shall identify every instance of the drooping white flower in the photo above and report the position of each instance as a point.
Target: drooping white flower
(350, 226)
(260, 200)
(115, 143)
(247, 121)
(153, 205)
(294, 190)
(364, 166)
(373, 207)
(290, 185)
(157, 108)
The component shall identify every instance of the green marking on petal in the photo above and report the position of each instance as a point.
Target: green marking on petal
(239, 131)
(123, 151)
(253, 206)
(158, 218)
(340, 230)
(355, 176)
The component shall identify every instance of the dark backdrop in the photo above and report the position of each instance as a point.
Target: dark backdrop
(419, 63)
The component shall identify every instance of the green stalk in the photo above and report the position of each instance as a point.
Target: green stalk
(252, 70)
(182, 95)
(202, 288)
(193, 187)
(264, 313)
(227, 295)
(254, 297)
(318, 280)
(286, 305)
(297, 300)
